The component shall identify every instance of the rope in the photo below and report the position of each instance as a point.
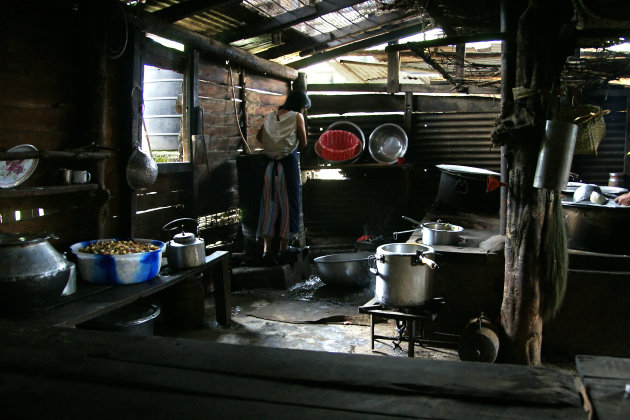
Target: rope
(245, 145)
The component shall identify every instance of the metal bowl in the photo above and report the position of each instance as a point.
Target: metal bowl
(388, 142)
(345, 270)
(118, 269)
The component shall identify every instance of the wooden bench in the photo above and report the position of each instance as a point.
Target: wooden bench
(52, 372)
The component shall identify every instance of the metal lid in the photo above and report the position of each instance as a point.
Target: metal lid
(184, 238)
(12, 239)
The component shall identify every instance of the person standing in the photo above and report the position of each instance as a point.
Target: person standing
(280, 135)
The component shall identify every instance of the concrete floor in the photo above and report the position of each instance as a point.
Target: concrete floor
(309, 316)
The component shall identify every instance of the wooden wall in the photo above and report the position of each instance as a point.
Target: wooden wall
(47, 79)
(59, 94)
(216, 152)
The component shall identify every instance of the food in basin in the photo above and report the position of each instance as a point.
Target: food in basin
(118, 261)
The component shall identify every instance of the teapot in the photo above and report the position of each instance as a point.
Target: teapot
(186, 249)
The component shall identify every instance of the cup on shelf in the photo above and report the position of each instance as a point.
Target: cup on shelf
(66, 176)
(81, 177)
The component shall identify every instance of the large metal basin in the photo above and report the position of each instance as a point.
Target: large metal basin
(345, 270)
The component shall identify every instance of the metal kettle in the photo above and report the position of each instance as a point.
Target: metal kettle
(186, 249)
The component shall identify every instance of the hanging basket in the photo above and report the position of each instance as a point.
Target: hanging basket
(591, 126)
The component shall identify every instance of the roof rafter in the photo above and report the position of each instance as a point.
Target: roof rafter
(288, 19)
(367, 42)
(366, 28)
(188, 8)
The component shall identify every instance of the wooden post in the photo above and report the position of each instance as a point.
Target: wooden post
(526, 264)
(393, 70)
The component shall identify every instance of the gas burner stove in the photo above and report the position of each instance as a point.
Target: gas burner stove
(407, 321)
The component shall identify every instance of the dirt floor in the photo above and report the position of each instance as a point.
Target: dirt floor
(309, 316)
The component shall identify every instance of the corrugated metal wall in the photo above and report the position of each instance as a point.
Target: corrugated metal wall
(374, 196)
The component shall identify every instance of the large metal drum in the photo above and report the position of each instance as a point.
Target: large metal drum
(597, 228)
(404, 274)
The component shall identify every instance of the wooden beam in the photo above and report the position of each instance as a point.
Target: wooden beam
(369, 27)
(393, 71)
(288, 19)
(440, 42)
(404, 87)
(149, 23)
(359, 45)
(430, 61)
(184, 9)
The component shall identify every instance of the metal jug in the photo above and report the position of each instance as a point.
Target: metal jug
(186, 249)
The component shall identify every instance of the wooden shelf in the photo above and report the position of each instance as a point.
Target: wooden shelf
(46, 190)
(54, 154)
(352, 166)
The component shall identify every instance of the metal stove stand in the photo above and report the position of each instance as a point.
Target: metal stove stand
(407, 320)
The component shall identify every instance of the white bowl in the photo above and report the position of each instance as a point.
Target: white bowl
(118, 269)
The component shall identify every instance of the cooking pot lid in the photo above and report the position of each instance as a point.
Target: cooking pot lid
(458, 169)
(184, 238)
(10, 239)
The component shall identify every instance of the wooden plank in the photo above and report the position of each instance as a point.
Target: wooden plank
(170, 182)
(221, 131)
(149, 223)
(605, 379)
(608, 398)
(267, 84)
(603, 367)
(39, 120)
(215, 90)
(160, 199)
(211, 72)
(207, 370)
(217, 106)
(264, 98)
(341, 104)
(59, 397)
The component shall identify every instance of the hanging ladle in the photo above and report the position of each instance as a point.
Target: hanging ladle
(142, 170)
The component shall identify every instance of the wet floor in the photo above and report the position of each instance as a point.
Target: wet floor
(309, 316)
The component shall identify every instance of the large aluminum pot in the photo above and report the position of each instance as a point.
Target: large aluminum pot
(439, 233)
(404, 274)
(345, 270)
(33, 273)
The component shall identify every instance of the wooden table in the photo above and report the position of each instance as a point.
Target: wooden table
(52, 372)
(606, 379)
(91, 300)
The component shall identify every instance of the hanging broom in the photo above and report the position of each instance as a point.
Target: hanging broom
(554, 268)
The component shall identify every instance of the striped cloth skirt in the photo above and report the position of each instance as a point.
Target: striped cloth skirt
(280, 201)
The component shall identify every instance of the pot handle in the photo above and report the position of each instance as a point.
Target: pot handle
(180, 223)
(372, 263)
(421, 259)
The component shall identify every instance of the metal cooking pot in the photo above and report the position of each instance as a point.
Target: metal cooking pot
(33, 273)
(464, 188)
(186, 249)
(592, 227)
(438, 233)
(404, 274)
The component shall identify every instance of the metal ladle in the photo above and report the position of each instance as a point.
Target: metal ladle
(142, 170)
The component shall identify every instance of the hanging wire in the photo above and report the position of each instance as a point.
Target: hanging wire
(246, 147)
